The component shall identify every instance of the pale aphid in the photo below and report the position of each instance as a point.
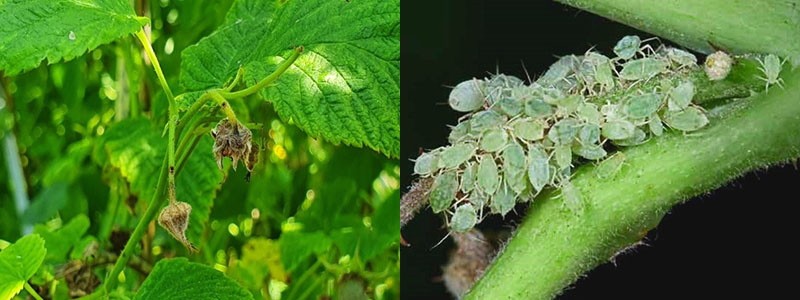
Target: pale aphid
(516, 180)
(689, 119)
(508, 106)
(514, 167)
(528, 129)
(642, 69)
(467, 96)
(563, 156)
(638, 138)
(644, 105)
(503, 201)
(459, 133)
(501, 86)
(590, 152)
(771, 66)
(609, 167)
(559, 70)
(571, 196)
(468, 177)
(681, 57)
(464, 218)
(427, 163)
(455, 155)
(563, 131)
(618, 129)
(568, 105)
(538, 168)
(589, 134)
(627, 47)
(494, 139)
(588, 112)
(655, 125)
(536, 108)
(718, 65)
(681, 96)
(443, 191)
(488, 175)
(483, 120)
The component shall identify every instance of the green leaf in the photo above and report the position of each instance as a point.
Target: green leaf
(344, 88)
(32, 31)
(136, 149)
(46, 204)
(297, 246)
(60, 241)
(18, 263)
(180, 279)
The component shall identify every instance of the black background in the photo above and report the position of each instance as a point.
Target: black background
(735, 242)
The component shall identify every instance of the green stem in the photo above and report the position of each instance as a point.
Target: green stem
(31, 291)
(553, 246)
(267, 80)
(196, 106)
(224, 106)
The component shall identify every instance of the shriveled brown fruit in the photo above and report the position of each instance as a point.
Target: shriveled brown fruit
(472, 255)
(175, 219)
(232, 140)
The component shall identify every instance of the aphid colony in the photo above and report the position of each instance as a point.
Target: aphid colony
(517, 140)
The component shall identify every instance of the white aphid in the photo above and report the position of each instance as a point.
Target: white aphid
(71, 36)
(771, 66)
(467, 96)
(718, 65)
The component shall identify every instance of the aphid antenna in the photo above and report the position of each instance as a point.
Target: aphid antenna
(525, 69)
(442, 240)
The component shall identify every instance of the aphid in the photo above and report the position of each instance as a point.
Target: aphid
(464, 218)
(528, 129)
(515, 179)
(590, 152)
(563, 156)
(538, 168)
(478, 199)
(457, 154)
(494, 140)
(503, 201)
(483, 120)
(468, 177)
(718, 65)
(427, 163)
(536, 108)
(689, 119)
(644, 105)
(443, 191)
(500, 86)
(459, 133)
(571, 196)
(569, 104)
(618, 129)
(589, 113)
(467, 96)
(627, 47)
(609, 167)
(589, 134)
(655, 125)
(771, 66)
(514, 157)
(681, 96)
(642, 69)
(681, 57)
(564, 131)
(508, 106)
(488, 174)
(559, 70)
(638, 138)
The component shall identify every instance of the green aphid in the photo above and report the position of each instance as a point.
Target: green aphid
(468, 177)
(528, 129)
(459, 133)
(627, 47)
(508, 106)
(488, 174)
(494, 139)
(478, 199)
(681, 57)
(571, 196)
(655, 125)
(689, 119)
(590, 152)
(644, 105)
(569, 104)
(681, 96)
(564, 131)
(618, 129)
(522, 93)
(538, 168)
(771, 66)
(427, 163)
(484, 120)
(516, 179)
(642, 69)
(610, 166)
(500, 86)
(503, 201)
(638, 138)
(514, 156)
(589, 134)
(457, 154)
(589, 113)
(443, 191)
(467, 96)
(559, 70)
(536, 108)
(563, 155)
(464, 218)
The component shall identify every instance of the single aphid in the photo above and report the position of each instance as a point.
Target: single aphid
(610, 166)
(459, 133)
(571, 196)
(559, 70)
(468, 177)
(563, 156)
(455, 155)
(589, 134)
(427, 163)
(467, 96)
(503, 201)
(443, 191)
(590, 152)
(508, 106)
(718, 65)
(538, 168)
(464, 218)
(642, 69)
(488, 175)
(655, 125)
(536, 108)
(618, 129)
(500, 86)
(771, 66)
(644, 105)
(689, 119)
(516, 179)
(175, 219)
(569, 104)
(681, 57)
(589, 113)
(681, 96)
(563, 132)
(484, 120)
(627, 47)
(494, 139)
(528, 129)
(638, 138)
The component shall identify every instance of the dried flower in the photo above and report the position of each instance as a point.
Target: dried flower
(235, 141)
(175, 219)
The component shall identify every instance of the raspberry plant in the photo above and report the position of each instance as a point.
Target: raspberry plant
(289, 89)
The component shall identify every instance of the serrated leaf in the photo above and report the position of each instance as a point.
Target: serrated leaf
(60, 241)
(136, 149)
(345, 87)
(19, 262)
(180, 279)
(32, 31)
(297, 246)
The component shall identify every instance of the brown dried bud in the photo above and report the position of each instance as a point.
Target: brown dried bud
(467, 263)
(234, 141)
(175, 219)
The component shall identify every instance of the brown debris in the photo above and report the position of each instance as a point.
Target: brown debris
(235, 141)
(175, 219)
(472, 255)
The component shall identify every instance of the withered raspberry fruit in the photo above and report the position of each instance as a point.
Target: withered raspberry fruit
(232, 140)
(175, 219)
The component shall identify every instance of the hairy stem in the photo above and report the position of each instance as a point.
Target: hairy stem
(554, 246)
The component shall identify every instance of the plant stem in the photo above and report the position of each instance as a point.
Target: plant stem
(267, 80)
(554, 246)
(196, 106)
(225, 106)
(31, 291)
